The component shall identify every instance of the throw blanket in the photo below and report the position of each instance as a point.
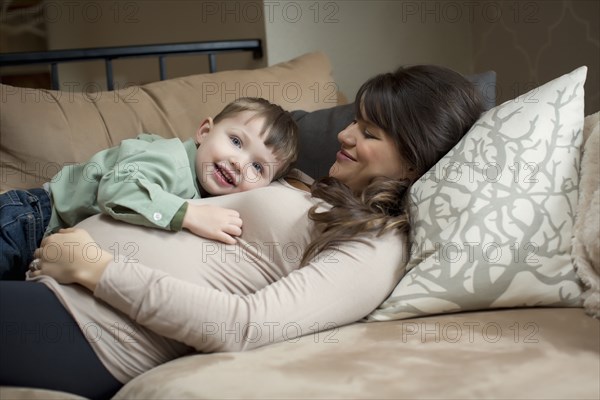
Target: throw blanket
(586, 240)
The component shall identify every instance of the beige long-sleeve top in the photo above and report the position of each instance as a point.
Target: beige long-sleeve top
(179, 293)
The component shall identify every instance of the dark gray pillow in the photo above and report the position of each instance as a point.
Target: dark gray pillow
(318, 129)
(485, 82)
(318, 137)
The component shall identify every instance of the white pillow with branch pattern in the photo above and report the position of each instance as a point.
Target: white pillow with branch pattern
(493, 219)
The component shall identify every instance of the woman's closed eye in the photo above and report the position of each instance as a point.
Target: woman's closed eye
(368, 134)
(364, 130)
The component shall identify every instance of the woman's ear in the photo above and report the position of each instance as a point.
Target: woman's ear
(413, 175)
(204, 129)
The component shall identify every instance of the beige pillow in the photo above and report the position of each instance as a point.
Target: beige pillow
(43, 130)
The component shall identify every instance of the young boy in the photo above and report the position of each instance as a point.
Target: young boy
(147, 181)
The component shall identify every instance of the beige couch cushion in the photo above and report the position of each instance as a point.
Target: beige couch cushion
(517, 354)
(42, 130)
(19, 393)
(521, 353)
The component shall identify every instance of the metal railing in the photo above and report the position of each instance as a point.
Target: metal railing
(55, 57)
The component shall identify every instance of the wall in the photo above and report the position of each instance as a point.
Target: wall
(526, 42)
(363, 38)
(531, 42)
(90, 23)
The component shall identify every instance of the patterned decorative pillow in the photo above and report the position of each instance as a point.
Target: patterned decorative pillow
(493, 219)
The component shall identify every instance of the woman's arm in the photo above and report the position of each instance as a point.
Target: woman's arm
(334, 289)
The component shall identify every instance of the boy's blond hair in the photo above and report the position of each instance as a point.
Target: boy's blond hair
(280, 128)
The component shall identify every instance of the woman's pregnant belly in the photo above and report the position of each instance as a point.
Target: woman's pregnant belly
(275, 233)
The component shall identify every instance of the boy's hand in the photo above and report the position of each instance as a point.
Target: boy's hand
(213, 222)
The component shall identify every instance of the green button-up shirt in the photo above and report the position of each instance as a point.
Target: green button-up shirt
(143, 181)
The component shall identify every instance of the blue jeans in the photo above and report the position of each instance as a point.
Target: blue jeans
(24, 216)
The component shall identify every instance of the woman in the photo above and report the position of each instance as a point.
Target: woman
(351, 229)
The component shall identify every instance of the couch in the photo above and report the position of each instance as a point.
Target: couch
(530, 351)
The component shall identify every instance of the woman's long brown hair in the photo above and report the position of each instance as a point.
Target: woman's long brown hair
(426, 110)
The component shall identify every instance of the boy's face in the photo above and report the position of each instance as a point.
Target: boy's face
(232, 156)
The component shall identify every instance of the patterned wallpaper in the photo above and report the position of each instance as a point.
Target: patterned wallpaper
(532, 42)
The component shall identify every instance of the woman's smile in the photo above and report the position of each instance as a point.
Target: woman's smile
(342, 155)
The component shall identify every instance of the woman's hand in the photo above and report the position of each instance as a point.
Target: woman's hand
(71, 256)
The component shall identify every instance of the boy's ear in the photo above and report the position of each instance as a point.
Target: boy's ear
(204, 129)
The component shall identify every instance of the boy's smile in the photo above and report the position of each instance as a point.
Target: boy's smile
(224, 176)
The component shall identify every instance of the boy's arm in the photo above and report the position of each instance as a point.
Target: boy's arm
(142, 203)
(159, 209)
(148, 184)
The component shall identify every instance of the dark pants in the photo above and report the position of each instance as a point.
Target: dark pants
(24, 216)
(42, 346)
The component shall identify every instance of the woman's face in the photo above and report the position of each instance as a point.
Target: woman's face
(367, 152)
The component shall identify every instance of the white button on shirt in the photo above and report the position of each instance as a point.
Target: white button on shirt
(157, 216)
